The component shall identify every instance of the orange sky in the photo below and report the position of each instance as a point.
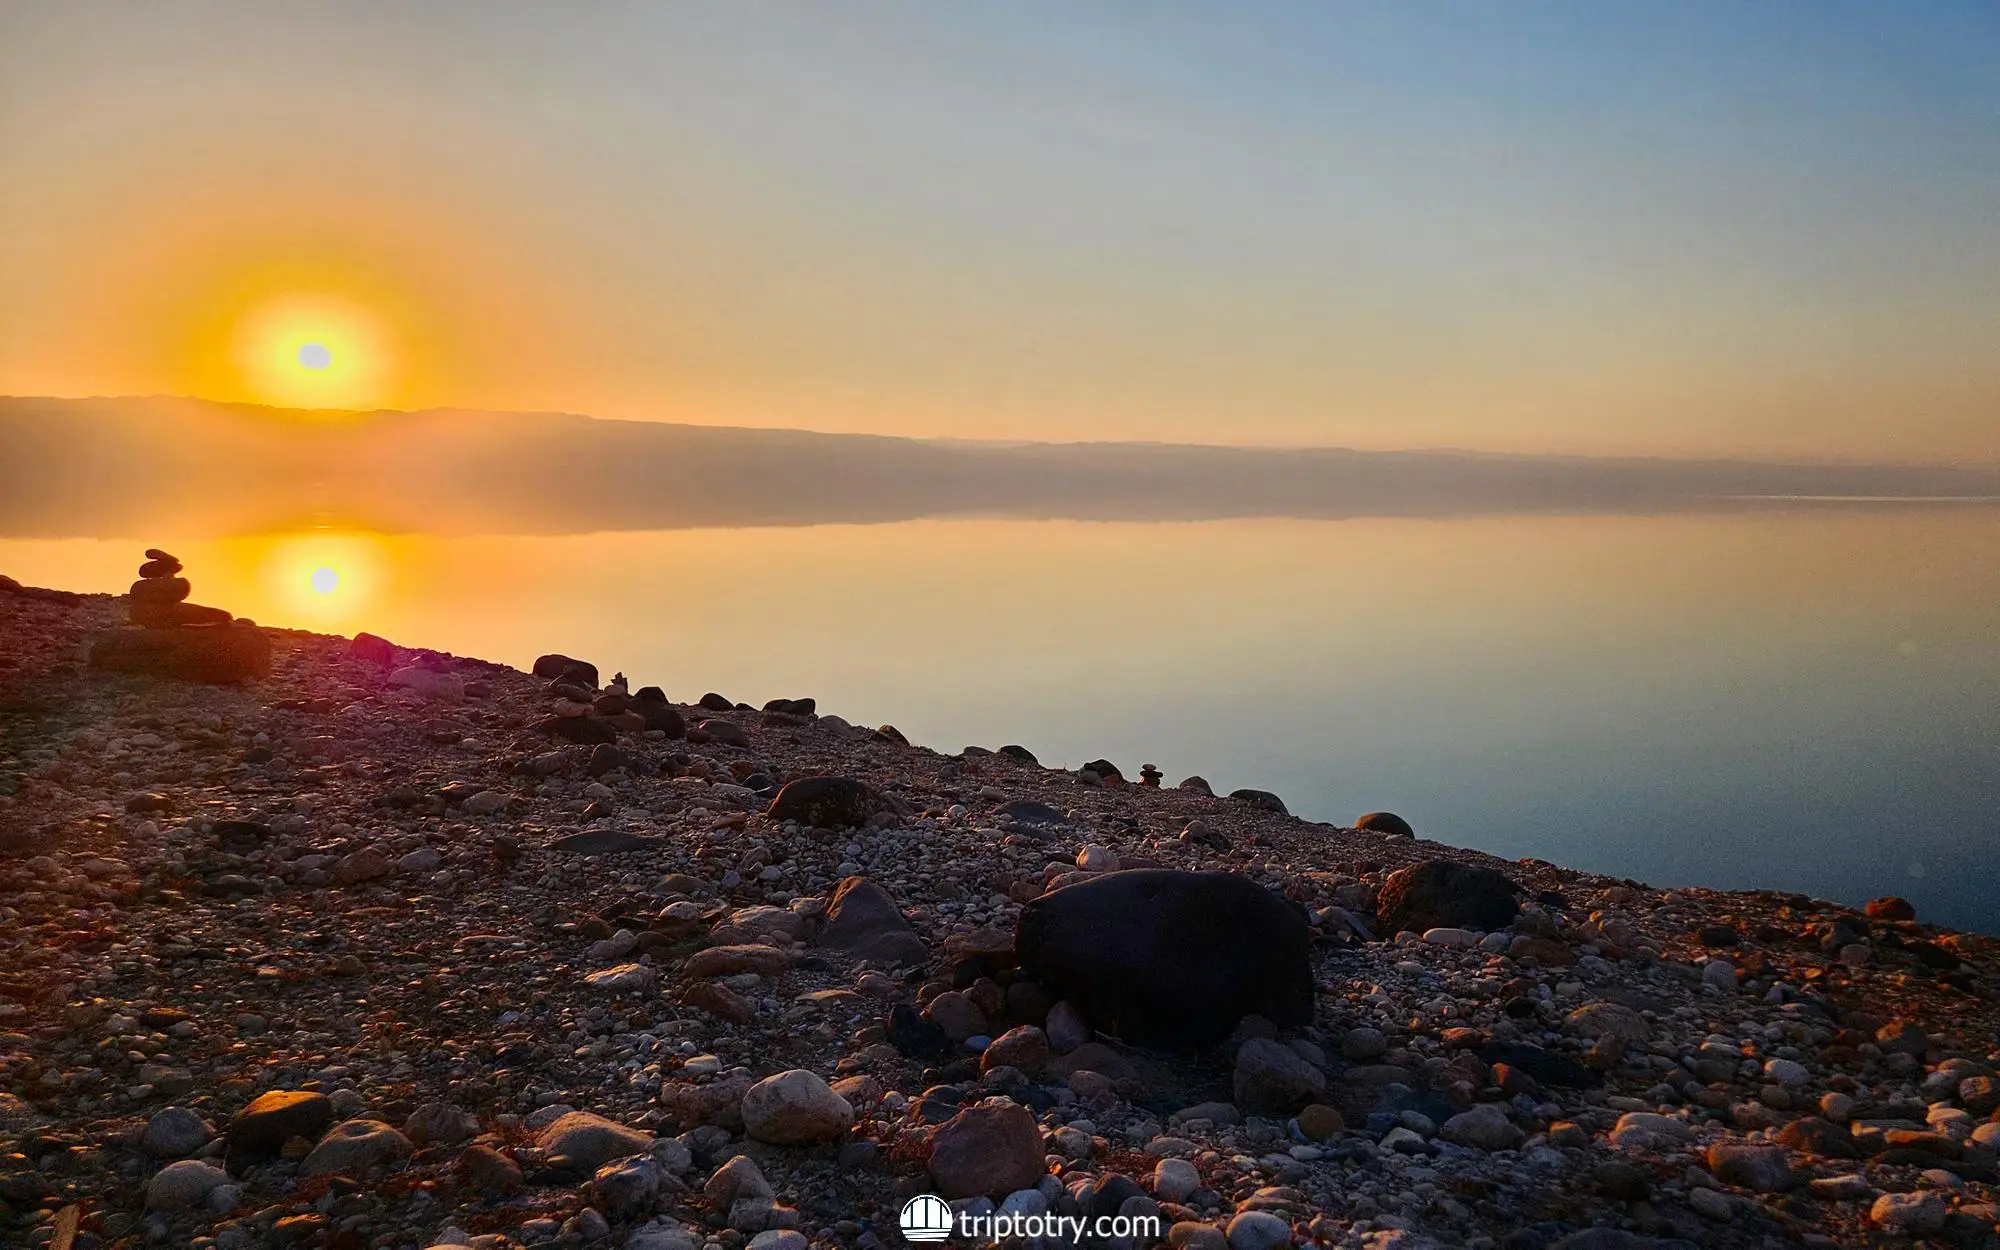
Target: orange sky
(1640, 235)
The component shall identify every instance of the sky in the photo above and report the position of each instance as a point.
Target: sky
(1766, 230)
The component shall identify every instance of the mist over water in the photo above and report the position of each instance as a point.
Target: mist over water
(1804, 699)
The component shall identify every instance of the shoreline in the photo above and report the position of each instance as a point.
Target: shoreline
(416, 859)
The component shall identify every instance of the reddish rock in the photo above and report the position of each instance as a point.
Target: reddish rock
(1890, 907)
(1025, 1048)
(991, 1150)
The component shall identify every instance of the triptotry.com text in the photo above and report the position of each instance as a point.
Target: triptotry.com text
(999, 1225)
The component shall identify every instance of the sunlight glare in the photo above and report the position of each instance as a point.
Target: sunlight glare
(304, 351)
(325, 580)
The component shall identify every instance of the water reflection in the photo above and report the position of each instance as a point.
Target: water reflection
(1803, 700)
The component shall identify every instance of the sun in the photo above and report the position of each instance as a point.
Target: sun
(324, 580)
(307, 351)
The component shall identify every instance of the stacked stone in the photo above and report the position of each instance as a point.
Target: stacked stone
(159, 596)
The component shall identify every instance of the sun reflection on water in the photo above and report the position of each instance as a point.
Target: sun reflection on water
(324, 578)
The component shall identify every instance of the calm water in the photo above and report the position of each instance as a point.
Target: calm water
(1805, 699)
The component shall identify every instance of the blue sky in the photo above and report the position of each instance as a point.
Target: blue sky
(1738, 229)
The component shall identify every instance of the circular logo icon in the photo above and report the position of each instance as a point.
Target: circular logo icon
(926, 1217)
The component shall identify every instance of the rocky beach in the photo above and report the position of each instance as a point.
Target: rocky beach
(328, 942)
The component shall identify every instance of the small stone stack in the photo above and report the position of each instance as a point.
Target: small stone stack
(170, 637)
(159, 596)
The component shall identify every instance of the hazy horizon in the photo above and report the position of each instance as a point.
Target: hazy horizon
(194, 468)
(331, 417)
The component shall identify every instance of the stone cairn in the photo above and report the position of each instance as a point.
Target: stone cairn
(159, 596)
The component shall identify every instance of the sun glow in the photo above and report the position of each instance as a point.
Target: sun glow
(313, 352)
(325, 578)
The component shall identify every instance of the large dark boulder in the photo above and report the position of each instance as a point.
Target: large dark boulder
(1386, 822)
(825, 802)
(562, 667)
(1170, 959)
(1439, 894)
(208, 653)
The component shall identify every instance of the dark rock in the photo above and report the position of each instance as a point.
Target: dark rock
(658, 714)
(863, 920)
(1890, 907)
(214, 654)
(1029, 812)
(890, 733)
(1166, 958)
(727, 732)
(1547, 1067)
(1812, 1135)
(604, 842)
(606, 758)
(650, 694)
(563, 668)
(1757, 1166)
(917, 1038)
(1622, 1180)
(262, 1128)
(793, 707)
(1261, 798)
(1386, 822)
(1197, 784)
(1441, 894)
(1113, 1192)
(159, 568)
(1903, 1036)
(153, 591)
(582, 729)
(1015, 752)
(825, 802)
(714, 702)
(1104, 769)
(373, 649)
(240, 836)
(1931, 955)
(1715, 935)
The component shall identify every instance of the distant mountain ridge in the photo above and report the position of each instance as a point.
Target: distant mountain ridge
(123, 467)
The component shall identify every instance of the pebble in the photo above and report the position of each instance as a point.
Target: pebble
(175, 1133)
(184, 1184)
